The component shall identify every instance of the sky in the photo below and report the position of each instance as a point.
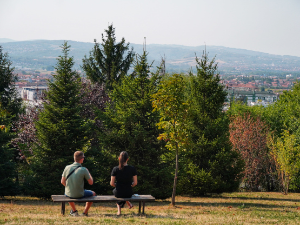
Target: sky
(270, 26)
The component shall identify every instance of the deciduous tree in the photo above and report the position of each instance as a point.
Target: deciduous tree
(170, 102)
(26, 132)
(286, 153)
(284, 114)
(248, 136)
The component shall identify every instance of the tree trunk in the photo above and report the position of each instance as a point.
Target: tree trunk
(286, 184)
(175, 178)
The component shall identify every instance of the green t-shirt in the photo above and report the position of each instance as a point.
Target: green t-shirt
(75, 183)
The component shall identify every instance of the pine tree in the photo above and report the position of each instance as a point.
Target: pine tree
(60, 129)
(211, 164)
(10, 108)
(131, 126)
(7, 165)
(9, 97)
(108, 64)
(94, 102)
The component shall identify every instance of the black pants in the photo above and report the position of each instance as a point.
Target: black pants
(122, 194)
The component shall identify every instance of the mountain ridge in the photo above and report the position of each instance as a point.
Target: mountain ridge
(179, 58)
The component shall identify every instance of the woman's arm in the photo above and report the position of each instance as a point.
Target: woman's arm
(134, 181)
(112, 181)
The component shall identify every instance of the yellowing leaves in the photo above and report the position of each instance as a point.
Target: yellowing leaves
(286, 153)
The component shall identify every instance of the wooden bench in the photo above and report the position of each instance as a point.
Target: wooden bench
(102, 198)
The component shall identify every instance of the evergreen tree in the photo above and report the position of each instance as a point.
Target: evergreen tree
(10, 107)
(100, 160)
(211, 164)
(7, 164)
(130, 126)
(108, 64)
(9, 97)
(60, 129)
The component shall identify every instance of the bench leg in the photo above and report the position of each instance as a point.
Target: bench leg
(140, 207)
(63, 204)
(143, 207)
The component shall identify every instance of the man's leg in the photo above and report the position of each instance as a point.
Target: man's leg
(88, 205)
(72, 204)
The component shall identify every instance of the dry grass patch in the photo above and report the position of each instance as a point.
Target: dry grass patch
(227, 208)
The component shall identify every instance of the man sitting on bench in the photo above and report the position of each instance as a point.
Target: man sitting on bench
(73, 180)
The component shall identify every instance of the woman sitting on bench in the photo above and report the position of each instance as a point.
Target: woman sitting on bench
(121, 178)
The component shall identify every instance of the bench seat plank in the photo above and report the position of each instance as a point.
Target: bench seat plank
(102, 198)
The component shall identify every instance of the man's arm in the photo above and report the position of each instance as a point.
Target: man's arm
(91, 180)
(63, 181)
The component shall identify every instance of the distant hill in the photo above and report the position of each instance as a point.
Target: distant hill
(231, 61)
(4, 40)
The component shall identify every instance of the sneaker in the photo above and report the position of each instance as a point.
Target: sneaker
(73, 213)
(83, 214)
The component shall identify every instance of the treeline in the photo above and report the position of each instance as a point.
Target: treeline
(172, 125)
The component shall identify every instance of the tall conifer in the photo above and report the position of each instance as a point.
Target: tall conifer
(60, 129)
(109, 62)
(211, 164)
(7, 164)
(9, 97)
(131, 126)
(10, 108)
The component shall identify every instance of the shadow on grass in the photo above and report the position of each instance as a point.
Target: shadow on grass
(261, 198)
(135, 215)
(19, 201)
(230, 205)
(259, 204)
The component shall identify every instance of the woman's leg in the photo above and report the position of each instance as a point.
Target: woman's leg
(119, 209)
(120, 204)
(129, 204)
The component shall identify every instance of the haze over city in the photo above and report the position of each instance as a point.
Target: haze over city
(270, 26)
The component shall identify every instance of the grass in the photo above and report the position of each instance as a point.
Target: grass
(227, 208)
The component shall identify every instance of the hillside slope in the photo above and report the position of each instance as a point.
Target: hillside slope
(42, 54)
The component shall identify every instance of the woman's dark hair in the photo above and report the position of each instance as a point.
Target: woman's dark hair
(122, 159)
